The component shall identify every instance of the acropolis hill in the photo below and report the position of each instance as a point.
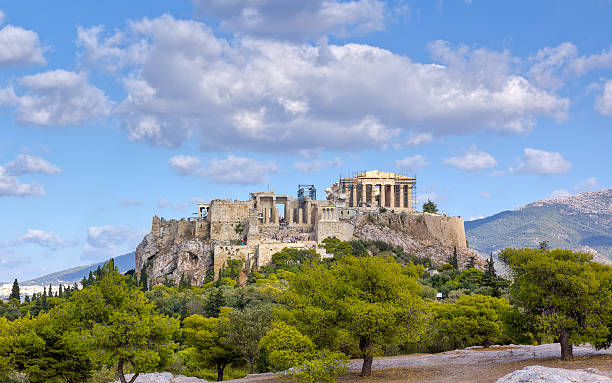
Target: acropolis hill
(372, 205)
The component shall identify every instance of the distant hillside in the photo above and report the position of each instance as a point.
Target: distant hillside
(581, 221)
(123, 262)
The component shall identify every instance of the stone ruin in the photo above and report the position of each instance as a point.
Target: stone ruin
(255, 229)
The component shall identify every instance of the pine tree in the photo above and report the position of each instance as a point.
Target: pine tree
(15, 291)
(453, 260)
(471, 263)
(490, 272)
(184, 283)
(213, 304)
(27, 299)
(430, 207)
(60, 292)
(50, 292)
(144, 280)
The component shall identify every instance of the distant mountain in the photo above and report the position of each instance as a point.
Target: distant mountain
(123, 262)
(581, 221)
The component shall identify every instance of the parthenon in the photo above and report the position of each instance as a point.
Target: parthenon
(374, 189)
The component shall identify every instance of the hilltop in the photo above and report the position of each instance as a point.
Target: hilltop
(581, 221)
(123, 262)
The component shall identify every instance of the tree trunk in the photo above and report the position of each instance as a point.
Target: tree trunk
(121, 375)
(567, 351)
(220, 368)
(366, 368)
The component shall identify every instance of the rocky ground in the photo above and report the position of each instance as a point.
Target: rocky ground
(505, 364)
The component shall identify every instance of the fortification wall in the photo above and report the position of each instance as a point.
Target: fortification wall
(341, 230)
(226, 231)
(223, 253)
(229, 211)
(265, 250)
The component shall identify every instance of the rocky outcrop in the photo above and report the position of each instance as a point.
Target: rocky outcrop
(163, 377)
(539, 374)
(172, 249)
(421, 234)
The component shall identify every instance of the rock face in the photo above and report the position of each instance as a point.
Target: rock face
(421, 234)
(172, 249)
(539, 374)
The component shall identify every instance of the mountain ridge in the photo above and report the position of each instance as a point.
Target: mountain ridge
(581, 221)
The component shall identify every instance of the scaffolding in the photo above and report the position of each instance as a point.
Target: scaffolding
(312, 193)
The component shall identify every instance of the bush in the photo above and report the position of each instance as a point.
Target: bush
(322, 369)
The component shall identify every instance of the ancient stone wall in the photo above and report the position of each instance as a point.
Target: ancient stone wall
(339, 229)
(223, 253)
(229, 211)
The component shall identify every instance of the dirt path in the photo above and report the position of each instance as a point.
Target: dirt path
(475, 365)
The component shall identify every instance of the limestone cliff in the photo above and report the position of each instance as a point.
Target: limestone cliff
(422, 234)
(174, 248)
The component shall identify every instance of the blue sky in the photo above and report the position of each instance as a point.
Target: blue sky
(112, 112)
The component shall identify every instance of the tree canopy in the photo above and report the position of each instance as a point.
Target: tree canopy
(565, 290)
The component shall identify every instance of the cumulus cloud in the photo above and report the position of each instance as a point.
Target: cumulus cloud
(231, 170)
(550, 65)
(590, 183)
(110, 241)
(185, 165)
(28, 164)
(542, 162)
(11, 186)
(42, 238)
(164, 203)
(246, 93)
(296, 19)
(239, 170)
(19, 47)
(56, 98)
(317, 165)
(560, 193)
(419, 139)
(473, 160)
(412, 163)
(604, 101)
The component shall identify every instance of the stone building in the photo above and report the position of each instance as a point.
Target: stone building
(373, 190)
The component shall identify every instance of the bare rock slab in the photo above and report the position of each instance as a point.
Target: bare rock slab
(540, 374)
(163, 377)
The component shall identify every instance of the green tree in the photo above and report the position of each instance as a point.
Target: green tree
(124, 326)
(209, 345)
(245, 328)
(453, 260)
(287, 346)
(372, 300)
(473, 320)
(212, 306)
(15, 291)
(430, 207)
(568, 292)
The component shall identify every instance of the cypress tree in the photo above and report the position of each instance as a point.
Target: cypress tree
(213, 304)
(471, 263)
(27, 299)
(144, 280)
(60, 292)
(15, 291)
(453, 260)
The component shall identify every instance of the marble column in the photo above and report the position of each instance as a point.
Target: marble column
(392, 196)
(289, 218)
(300, 216)
(354, 195)
(382, 196)
(265, 215)
(401, 195)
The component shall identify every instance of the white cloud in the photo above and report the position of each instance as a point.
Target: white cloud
(19, 47)
(110, 241)
(473, 160)
(164, 203)
(317, 165)
(412, 163)
(604, 101)
(41, 238)
(250, 94)
(560, 193)
(10, 186)
(549, 65)
(27, 164)
(296, 19)
(231, 170)
(419, 139)
(485, 195)
(590, 183)
(238, 170)
(185, 165)
(2, 16)
(476, 217)
(56, 98)
(542, 162)
(584, 64)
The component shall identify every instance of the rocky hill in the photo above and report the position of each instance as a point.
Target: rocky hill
(582, 221)
(123, 262)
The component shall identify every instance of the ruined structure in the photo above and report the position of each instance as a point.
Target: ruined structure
(255, 229)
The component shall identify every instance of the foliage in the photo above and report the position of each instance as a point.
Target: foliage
(206, 337)
(15, 291)
(430, 207)
(287, 346)
(374, 300)
(565, 290)
(323, 368)
(124, 325)
(473, 320)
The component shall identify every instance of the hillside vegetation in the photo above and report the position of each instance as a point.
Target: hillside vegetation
(582, 221)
